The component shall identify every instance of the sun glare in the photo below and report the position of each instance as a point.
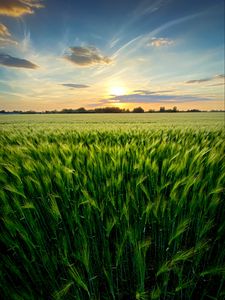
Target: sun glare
(117, 91)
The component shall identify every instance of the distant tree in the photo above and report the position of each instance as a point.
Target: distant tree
(67, 111)
(17, 112)
(138, 110)
(175, 109)
(151, 111)
(108, 110)
(81, 110)
(162, 109)
(30, 112)
(193, 110)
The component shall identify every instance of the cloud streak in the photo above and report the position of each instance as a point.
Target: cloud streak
(143, 39)
(220, 76)
(18, 8)
(218, 84)
(199, 80)
(10, 61)
(147, 92)
(86, 56)
(75, 86)
(148, 7)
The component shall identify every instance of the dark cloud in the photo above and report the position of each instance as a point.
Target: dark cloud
(199, 80)
(144, 92)
(140, 98)
(147, 92)
(86, 56)
(75, 86)
(18, 8)
(220, 76)
(10, 61)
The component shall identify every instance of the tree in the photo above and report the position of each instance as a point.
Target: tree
(81, 110)
(138, 110)
(162, 109)
(175, 109)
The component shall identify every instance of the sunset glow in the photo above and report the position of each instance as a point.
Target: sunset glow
(69, 54)
(117, 91)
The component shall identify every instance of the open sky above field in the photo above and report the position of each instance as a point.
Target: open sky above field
(68, 54)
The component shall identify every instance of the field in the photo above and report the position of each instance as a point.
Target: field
(207, 121)
(112, 206)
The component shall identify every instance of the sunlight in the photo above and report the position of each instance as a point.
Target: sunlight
(117, 91)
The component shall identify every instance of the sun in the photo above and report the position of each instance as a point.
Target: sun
(117, 90)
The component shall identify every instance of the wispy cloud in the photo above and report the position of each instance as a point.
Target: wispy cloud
(218, 84)
(18, 8)
(220, 76)
(10, 61)
(160, 42)
(142, 9)
(4, 32)
(86, 56)
(148, 7)
(7, 41)
(143, 39)
(113, 42)
(198, 80)
(5, 36)
(75, 85)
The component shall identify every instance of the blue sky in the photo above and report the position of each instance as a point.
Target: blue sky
(69, 54)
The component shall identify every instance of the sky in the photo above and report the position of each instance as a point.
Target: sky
(58, 54)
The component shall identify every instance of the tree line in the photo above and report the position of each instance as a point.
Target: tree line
(83, 110)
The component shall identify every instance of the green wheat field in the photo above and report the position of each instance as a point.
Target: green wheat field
(127, 206)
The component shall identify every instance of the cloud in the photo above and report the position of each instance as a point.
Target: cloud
(5, 36)
(218, 84)
(143, 8)
(155, 98)
(4, 32)
(6, 41)
(10, 61)
(86, 56)
(144, 92)
(75, 86)
(18, 8)
(147, 92)
(143, 39)
(160, 42)
(199, 80)
(148, 7)
(220, 76)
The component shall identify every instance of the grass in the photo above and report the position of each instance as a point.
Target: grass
(107, 214)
